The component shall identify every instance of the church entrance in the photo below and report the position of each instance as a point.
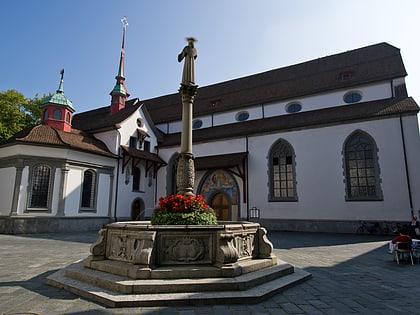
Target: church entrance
(137, 209)
(221, 205)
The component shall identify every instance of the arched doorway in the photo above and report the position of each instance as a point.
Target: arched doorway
(221, 192)
(221, 204)
(137, 209)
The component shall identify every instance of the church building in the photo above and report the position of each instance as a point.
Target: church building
(317, 146)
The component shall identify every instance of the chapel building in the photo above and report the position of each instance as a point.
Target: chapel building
(316, 146)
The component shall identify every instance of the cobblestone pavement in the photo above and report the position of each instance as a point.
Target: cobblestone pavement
(352, 274)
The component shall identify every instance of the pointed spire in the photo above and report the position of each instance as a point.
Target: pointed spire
(120, 94)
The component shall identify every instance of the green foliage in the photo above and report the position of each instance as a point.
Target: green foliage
(183, 210)
(204, 217)
(18, 112)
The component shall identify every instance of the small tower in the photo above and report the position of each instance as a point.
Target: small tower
(57, 110)
(119, 94)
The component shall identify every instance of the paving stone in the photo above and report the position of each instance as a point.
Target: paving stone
(351, 274)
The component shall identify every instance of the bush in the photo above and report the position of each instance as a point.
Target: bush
(183, 210)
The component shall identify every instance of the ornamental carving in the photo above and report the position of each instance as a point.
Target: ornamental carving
(186, 250)
(131, 247)
(227, 252)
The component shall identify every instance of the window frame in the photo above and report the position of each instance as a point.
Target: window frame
(352, 93)
(356, 167)
(283, 151)
(93, 193)
(136, 180)
(47, 184)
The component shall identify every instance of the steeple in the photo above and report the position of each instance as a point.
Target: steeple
(57, 110)
(119, 94)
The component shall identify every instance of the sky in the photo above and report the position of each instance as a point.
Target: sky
(236, 38)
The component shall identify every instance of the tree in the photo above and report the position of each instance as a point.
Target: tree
(18, 112)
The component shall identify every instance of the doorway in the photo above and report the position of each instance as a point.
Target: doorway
(221, 205)
(137, 210)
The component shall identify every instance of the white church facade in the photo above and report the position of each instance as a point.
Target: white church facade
(317, 146)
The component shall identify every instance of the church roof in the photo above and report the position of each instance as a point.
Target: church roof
(48, 136)
(379, 109)
(102, 119)
(375, 63)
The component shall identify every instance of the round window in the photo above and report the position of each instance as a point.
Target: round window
(293, 108)
(242, 116)
(139, 122)
(352, 97)
(197, 124)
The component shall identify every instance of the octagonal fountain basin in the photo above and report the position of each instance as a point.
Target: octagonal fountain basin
(140, 250)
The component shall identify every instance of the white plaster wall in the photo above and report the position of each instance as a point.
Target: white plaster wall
(55, 192)
(320, 179)
(370, 92)
(330, 99)
(103, 198)
(412, 141)
(110, 138)
(23, 195)
(224, 118)
(7, 184)
(73, 191)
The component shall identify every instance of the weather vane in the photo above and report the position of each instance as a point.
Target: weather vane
(124, 22)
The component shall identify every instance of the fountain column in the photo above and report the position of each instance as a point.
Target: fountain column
(188, 90)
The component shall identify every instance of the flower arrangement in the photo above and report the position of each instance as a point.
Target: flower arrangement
(183, 210)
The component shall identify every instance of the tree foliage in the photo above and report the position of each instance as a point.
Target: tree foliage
(18, 112)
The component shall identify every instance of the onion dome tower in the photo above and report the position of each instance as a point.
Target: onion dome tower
(57, 110)
(119, 94)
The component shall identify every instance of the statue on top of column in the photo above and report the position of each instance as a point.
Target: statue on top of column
(190, 54)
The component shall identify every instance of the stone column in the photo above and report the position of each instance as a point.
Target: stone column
(185, 172)
(188, 90)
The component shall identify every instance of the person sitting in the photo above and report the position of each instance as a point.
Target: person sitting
(402, 238)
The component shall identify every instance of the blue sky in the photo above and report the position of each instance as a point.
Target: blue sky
(235, 38)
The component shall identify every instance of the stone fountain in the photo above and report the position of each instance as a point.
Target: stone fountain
(139, 264)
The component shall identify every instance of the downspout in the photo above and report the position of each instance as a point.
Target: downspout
(118, 175)
(247, 182)
(406, 166)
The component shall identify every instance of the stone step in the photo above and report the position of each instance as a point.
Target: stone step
(256, 293)
(146, 286)
(179, 271)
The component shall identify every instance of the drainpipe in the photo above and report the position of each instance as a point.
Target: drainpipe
(406, 166)
(118, 174)
(247, 181)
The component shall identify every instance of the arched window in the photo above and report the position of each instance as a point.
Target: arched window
(40, 187)
(46, 114)
(361, 168)
(57, 114)
(282, 173)
(68, 118)
(136, 179)
(171, 174)
(89, 189)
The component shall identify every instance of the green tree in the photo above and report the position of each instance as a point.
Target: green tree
(18, 112)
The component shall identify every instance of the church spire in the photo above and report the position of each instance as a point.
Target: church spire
(119, 94)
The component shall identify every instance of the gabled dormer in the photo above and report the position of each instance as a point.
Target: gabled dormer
(57, 109)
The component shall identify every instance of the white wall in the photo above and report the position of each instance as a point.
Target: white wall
(7, 176)
(370, 92)
(320, 174)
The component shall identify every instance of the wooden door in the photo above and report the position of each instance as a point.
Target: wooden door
(221, 205)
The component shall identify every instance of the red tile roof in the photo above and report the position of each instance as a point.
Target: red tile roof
(48, 136)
